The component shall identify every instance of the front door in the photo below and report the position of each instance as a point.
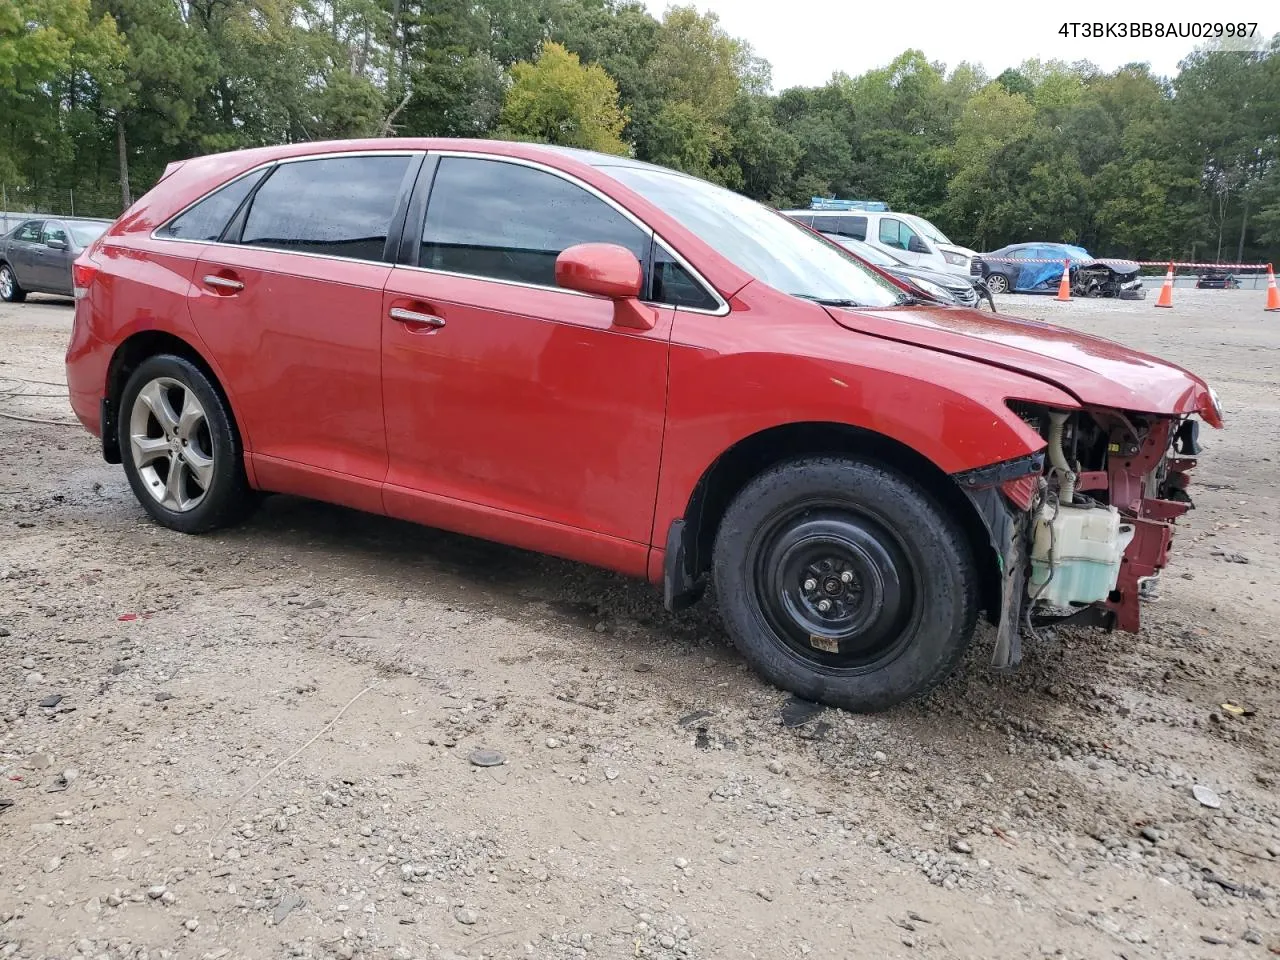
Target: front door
(516, 409)
(904, 241)
(291, 311)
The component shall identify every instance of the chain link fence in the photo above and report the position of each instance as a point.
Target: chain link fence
(21, 202)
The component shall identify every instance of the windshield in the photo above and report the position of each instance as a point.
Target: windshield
(928, 229)
(763, 242)
(86, 233)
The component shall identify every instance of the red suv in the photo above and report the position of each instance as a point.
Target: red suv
(597, 358)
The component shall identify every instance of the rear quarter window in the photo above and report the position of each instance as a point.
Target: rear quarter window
(207, 218)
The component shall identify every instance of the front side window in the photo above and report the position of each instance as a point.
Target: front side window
(55, 232)
(762, 242)
(207, 219)
(675, 286)
(337, 206)
(506, 221)
(29, 231)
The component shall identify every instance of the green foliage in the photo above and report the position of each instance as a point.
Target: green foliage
(556, 99)
(96, 96)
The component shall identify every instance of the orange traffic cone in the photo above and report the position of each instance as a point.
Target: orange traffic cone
(1273, 295)
(1166, 292)
(1064, 285)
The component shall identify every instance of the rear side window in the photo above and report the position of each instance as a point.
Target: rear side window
(855, 227)
(29, 231)
(841, 225)
(489, 218)
(208, 218)
(341, 206)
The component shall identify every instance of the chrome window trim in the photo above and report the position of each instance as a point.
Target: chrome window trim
(723, 308)
(502, 280)
(720, 311)
(263, 166)
(648, 231)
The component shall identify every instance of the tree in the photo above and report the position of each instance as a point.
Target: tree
(57, 60)
(556, 99)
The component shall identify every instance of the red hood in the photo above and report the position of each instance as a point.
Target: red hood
(1098, 372)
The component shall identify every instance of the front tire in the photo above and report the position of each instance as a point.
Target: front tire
(998, 283)
(180, 448)
(10, 292)
(844, 582)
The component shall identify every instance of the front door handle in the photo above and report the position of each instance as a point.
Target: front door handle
(414, 317)
(223, 283)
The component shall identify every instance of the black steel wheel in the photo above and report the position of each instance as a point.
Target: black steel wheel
(844, 582)
(834, 584)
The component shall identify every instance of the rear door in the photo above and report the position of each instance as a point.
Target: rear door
(53, 263)
(22, 253)
(289, 302)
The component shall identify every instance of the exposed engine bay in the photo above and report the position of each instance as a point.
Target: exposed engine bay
(1089, 521)
(1096, 278)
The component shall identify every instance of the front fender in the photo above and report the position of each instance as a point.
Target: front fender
(733, 377)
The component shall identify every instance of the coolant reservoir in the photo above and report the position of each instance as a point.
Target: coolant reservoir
(1076, 553)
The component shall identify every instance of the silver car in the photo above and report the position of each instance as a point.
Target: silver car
(36, 255)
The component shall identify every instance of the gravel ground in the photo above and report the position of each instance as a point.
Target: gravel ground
(263, 743)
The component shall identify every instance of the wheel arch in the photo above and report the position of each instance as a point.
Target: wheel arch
(691, 540)
(128, 356)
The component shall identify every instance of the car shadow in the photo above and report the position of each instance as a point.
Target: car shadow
(406, 554)
(534, 588)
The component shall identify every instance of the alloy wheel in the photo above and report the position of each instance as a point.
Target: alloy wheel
(6, 282)
(171, 445)
(998, 283)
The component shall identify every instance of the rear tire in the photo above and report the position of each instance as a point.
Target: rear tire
(10, 292)
(844, 582)
(180, 448)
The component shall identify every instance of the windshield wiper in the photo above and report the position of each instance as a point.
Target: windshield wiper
(829, 301)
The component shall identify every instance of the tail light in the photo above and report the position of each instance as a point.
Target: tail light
(83, 272)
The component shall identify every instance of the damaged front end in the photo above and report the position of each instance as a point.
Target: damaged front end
(1098, 279)
(1082, 526)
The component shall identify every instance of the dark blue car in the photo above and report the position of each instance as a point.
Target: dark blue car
(1037, 268)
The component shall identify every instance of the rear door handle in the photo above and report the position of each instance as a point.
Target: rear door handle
(222, 283)
(414, 317)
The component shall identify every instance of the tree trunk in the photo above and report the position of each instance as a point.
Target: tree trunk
(1244, 222)
(122, 152)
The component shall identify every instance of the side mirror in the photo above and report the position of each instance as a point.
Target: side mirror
(54, 243)
(601, 269)
(916, 245)
(607, 270)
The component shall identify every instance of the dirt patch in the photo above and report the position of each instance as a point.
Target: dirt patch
(261, 742)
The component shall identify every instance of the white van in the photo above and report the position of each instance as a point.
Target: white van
(905, 235)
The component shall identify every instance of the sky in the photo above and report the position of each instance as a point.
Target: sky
(807, 40)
